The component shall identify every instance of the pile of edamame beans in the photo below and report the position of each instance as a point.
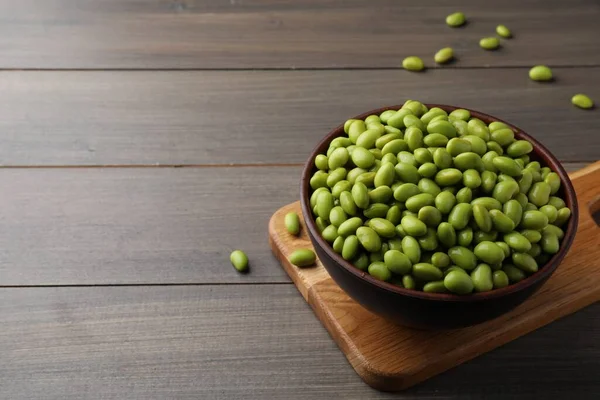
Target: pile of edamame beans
(438, 202)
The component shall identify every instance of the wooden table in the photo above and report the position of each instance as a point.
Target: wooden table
(143, 140)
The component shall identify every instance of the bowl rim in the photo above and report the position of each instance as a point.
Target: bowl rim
(543, 272)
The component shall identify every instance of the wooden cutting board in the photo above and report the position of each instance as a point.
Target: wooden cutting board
(391, 358)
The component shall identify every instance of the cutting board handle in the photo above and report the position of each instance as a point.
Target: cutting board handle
(587, 186)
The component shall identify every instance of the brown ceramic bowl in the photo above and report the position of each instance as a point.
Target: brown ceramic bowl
(434, 310)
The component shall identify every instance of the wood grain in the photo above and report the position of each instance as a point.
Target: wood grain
(216, 117)
(289, 34)
(245, 342)
(389, 357)
(90, 226)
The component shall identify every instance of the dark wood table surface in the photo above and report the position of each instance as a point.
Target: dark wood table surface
(142, 140)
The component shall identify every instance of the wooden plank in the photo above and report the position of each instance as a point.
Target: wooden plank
(140, 225)
(212, 117)
(289, 34)
(245, 342)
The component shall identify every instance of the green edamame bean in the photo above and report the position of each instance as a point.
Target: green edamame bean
(463, 257)
(369, 239)
(360, 195)
(377, 163)
(406, 212)
(322, 162)
(347, 125)
(337, 216)
(335, 176)
(362, 262)
(513, 273)
(338, 158)
(503, 31)
(379, 271)
(562, 216)
(350, 248)
(489, 252)
(482, 278)
(407, 173)
(292, 223)
(385, 139)
(353, 174)
(303, 258)
(384, 116)
(440, 260)
(444, 202)
(395, 146)
(413, 63)
(488, 181)
(347, 203)
(522, 199)
(495, 147)
(550, 211)
(319, 179)
(500, 279)
(514, 211)
(397, 120)
(315, 194)
(504, 178)
(427, 272)
(442, 159)
(495, 125)
(338, 244)
(389, 158)
(488, 159)
(375, 257)
(429, 241)
(321, 224)
(464, 195)
(540, 73)
(534, 220)
(239, 260)
(481, 236)
(434, 112)
(355, 129)
(409, 282)
(446, 234)
(410, 247)
(376, 210)
(519, 148)
(582, 101)
(539, 194)
(413, 136)
(488, 202)
(413, 226)
(525, 262)
(444, 55)
(532, 235)
(435, 287)
(505, 248)
(430, 216)
(441, 127)
(423, 155)
(340, 142)
(503, 137)
(471, 179)
(456, 19)
(341, 186)
(460, 215)
(535, 250)
(395, 244)
(468, 160)
(435, 140)
(363, 158)
(406, 191)
(397, 262)
(465, 237)
(324, 205)
(381, 194)
(428, 186)
(349, 226)
(418, 201)
(477, 128)
(427, 170)
(507, 166)
(456, 146)
(414, 121)
(330, 233)
(530, 207)
(549, 242)
(383, 227)
(557, 202)
(372, 119)
(448, 176)
(505, 190)
(526, 181)
(489, 43)
(501, 222)
(462, 127)
(478, 145)
(460, 114)
(458, 282)
(553, 180)
(482, 217)
(394, 215)
(554, 230)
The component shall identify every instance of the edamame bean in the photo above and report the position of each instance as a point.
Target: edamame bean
(430, 216)
(562, 216)
(376, 210)
(532, 235)
(414, 121)
(429, 241)
(495, 147)
(363, 158)
(519, 148)
(455, 19)
(338, 244)
(292, 223)
(462, 127)
(324, 204)
(471, 179)
(341, 186)
(239, 260)
(503, 31)
(505, 190)
(397, 262)
(549, 242)
(458, 282)
(488, 181)
(481, 236)
(362, 262)
(448, 176)
(330, 233)
(488, 202)
(321, 224)
(427, 272)
(553, 180)
(446, 234)
(517, 242)
(507, 166)
(464, 195)
(501, 222)
(477, 128)
(513, 273)
(465, 237)
(337, 216)
(482, 278)
(463, 257)
(539, 194)
(407, 173)
(440, 260)
(444, 202)
(500, 279)
(443, 128)
(350, 247)
(582, 101)
(360, 195)
(540, 73)
(489, 43)
(394, 215)
(482, 217)
(347, 203)
(468, 160)
(413, 226)
(503, 137)
(557, 202)
(460, 215)
(444, 55)
(456, 146)
(409, 282)
(535, 250)
(525, 262)
(349, 226)
(416, 202)
(381, 194)
(379, 271)
(369, 239)
(550, 211)
(383, 227)
(413, 63)
(460, 114)
(336, 176)
(410, 247)
(554, 230)
(489, 252)
(303, 258)
(427, 170)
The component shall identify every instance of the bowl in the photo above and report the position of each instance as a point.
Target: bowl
(422, 310)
